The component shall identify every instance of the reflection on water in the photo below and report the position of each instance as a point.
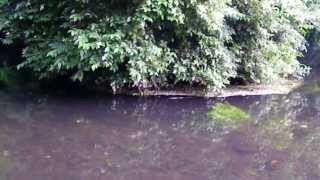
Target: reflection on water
(130, 138)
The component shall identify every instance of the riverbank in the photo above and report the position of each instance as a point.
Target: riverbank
(10, 79)
(279, 87)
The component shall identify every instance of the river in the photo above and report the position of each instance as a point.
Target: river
(45, 137)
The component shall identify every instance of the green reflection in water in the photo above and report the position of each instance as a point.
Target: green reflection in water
(4, 167)
(313, 88)
(228, 115)
(4, 161)
(8, 77)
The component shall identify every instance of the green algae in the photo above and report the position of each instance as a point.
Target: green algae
(228, 115)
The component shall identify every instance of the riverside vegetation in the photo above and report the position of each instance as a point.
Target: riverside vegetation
(156, 44)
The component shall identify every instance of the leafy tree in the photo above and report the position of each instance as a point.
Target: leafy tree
(155, 43)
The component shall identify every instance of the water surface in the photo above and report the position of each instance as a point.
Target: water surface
(159, 138)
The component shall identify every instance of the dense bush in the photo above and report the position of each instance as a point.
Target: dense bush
(155, 43)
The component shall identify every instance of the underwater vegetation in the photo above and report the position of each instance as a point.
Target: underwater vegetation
(228, 115)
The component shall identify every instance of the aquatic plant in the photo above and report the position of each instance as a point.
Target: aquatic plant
(228, 115)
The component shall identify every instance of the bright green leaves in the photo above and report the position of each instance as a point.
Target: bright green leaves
(271, 38)
(152, 43)
(148, 63)
(2, 2)
(160, 10)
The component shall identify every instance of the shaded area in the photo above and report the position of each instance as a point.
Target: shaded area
(312, 57)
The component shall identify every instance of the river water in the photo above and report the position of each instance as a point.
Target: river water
(159, 138)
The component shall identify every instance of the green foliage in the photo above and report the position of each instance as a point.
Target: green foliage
(228, 115)
(3, 2)
(155, 43)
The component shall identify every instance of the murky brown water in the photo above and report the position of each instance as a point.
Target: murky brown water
(158, 138)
